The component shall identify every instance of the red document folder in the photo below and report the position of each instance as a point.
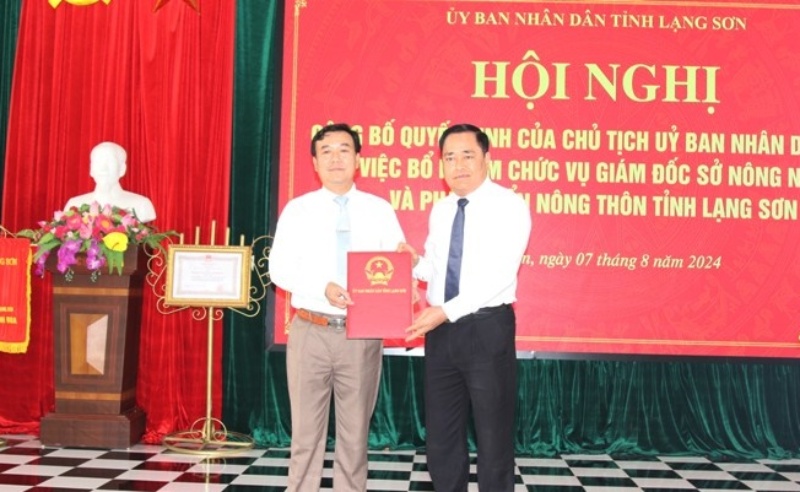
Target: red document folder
(379, 283)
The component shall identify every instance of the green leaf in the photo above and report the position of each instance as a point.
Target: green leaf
(114, 260)
(44, 247)
(28, 233)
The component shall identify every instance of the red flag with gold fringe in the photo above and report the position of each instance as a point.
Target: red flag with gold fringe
(15, 294)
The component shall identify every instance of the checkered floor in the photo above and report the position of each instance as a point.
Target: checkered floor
(27, 466)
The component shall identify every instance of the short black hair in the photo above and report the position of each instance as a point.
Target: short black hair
(480, 136)
(335, 127)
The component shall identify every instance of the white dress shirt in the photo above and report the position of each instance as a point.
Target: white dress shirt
(302, 259)
(497, 228)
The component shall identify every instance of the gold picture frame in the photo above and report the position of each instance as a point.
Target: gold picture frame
(212, 276)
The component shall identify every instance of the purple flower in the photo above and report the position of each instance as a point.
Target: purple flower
(66, 255)
(94, 260)
(39, 270)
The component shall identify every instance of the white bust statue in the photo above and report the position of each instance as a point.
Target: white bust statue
(108, 165)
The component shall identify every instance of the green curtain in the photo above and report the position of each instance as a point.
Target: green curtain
(9, 25)
(254, 384)
(727, 408)
(735, 409)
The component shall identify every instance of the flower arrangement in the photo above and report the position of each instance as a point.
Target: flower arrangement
(102, 233)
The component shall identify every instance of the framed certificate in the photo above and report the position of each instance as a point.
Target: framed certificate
(379, 283)
(215, 276)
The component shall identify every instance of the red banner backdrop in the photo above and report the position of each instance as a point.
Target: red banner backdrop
(657, 145)
(160, 84)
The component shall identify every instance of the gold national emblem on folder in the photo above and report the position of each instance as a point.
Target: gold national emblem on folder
(379, 270)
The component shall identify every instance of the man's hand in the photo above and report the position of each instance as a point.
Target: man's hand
(430, 318)
(337, 295)
(407, 248)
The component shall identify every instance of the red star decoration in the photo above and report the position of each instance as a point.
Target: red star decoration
(195, 4)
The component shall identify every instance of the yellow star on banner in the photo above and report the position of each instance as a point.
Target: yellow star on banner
(56, 3)
(195, 4)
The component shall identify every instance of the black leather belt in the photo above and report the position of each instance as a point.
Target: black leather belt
(484, 313)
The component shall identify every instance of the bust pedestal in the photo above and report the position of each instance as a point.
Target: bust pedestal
(96, 332)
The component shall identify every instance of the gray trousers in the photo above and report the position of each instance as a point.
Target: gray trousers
(321, 360)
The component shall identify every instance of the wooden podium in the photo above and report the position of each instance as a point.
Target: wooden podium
(96, 332)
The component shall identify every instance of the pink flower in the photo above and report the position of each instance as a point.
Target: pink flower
(74, 222)
(88, 220)
(104, 224)
(60, 231)
(129, 221)
(45, 228)
(86, 231)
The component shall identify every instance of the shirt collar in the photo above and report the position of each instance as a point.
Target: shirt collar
(480, 190)
(329, 195)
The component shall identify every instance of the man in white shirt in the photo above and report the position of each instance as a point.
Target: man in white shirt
(476, 238)
(306, 260)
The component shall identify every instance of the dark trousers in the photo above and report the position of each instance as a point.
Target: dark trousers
(471, 362)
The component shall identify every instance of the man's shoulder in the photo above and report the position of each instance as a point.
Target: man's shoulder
(307, 197)
(371, 198)
(504, 192)
(306, 205)
(446, 201)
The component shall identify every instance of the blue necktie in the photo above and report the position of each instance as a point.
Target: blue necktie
(342, 240)
(452, 279)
